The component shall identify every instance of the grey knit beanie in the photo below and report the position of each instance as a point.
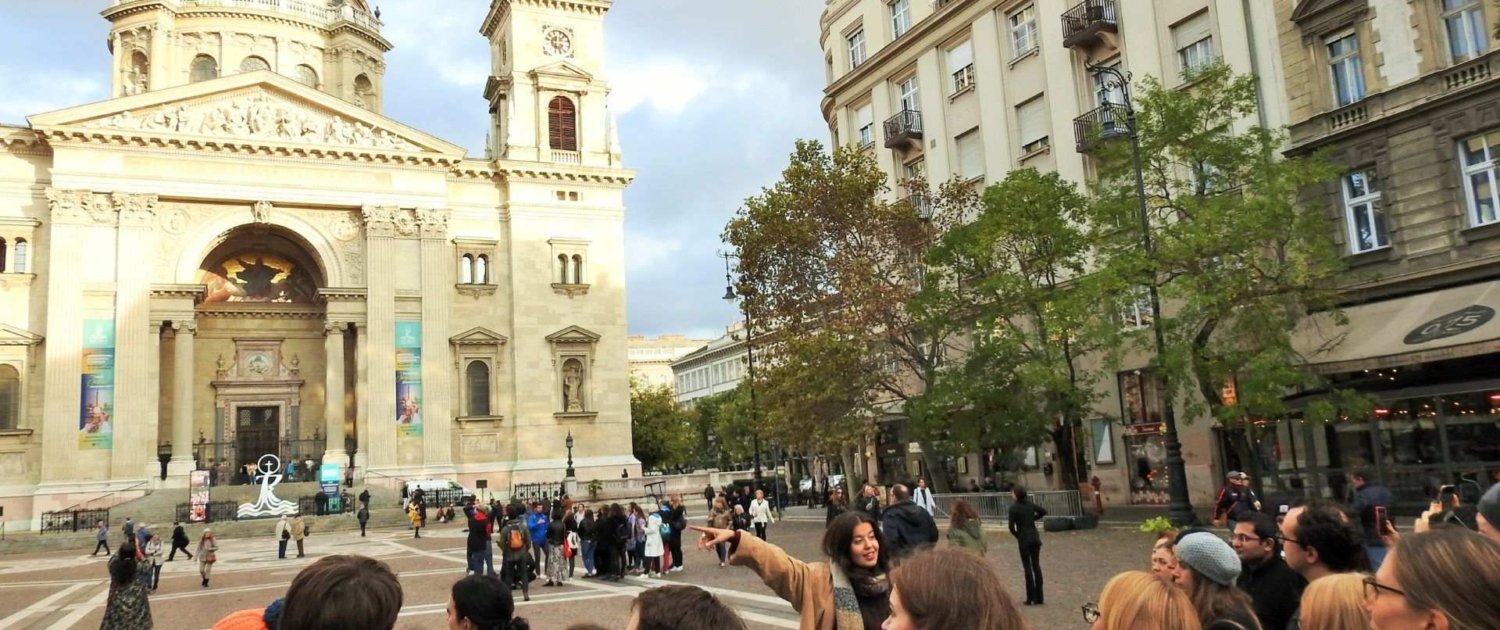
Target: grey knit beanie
(1489, 506)
(1210, 556)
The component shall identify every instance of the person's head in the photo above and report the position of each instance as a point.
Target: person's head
(681, 607)
(899, 493)
(1237, 478)
(1204, 557)
(1137, 600)
(921, 483)
(739, 509)
(156, 537)
(343, 592)
(719, 503)
(1445, 579)
(1335, 603)
(868, 490)
(1018, 492)
(121, 572)
(1254, 539)
(961, 513)
(1319, 539)
(1489, 513)
(208, 534)
(760, 494)
(854, 542)
(1163, 559)
(950, 590)
(98, 523)
(482, 602)
(538, 507)
(1359, 477)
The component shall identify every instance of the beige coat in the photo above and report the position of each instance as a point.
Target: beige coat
(807, 587)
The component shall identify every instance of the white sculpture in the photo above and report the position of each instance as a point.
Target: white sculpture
(258, 117)
(268, 473)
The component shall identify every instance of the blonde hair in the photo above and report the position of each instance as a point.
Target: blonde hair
(1137, 600)
(1335, 602)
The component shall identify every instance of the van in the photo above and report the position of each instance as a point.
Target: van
(432, 486)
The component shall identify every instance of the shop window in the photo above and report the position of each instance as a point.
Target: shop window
(10, 398)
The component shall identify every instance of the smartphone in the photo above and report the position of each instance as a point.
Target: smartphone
(1382, 524)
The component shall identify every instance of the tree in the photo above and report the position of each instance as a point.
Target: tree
(820, 251)
(723, 423)
(1018, 275)
(815, 398)
(1240, 261)
(661, 433)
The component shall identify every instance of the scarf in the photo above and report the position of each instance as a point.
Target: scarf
(847, 593)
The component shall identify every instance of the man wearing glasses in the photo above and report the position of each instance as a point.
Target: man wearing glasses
(1274, 588)
(1318, 541)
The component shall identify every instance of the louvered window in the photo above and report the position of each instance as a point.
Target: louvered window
(562, 124)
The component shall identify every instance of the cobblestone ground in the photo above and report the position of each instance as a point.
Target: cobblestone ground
(67, 590)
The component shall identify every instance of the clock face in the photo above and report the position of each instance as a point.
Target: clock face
(557, 43)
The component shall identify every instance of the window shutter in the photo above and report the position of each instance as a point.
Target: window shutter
(562, 125)
(971, 155)
(1189, 31)
(960, 56)
(1031, 119)
(864, 116)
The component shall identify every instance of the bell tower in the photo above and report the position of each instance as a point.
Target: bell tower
(547, 92)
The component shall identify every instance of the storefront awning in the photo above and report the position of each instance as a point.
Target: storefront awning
(1447, 324)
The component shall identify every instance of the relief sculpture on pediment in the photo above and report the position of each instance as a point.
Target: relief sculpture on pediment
(257, 117)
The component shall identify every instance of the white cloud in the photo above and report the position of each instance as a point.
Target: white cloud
(644, 251)
(669, 85)
(39, 90)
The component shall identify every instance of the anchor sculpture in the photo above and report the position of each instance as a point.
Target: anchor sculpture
(268, 473)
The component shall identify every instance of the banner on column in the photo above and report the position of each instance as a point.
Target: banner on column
(198, 496)
(97, 396)
(409, 379)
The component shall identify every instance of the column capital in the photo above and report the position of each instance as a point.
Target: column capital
(186, 327)
(80, 207)
(389, 222)
(434, 223)
(335, 327)
(135, 210)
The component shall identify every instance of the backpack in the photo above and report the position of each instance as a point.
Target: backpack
(622, 532)
(514, 542)
(666, 530)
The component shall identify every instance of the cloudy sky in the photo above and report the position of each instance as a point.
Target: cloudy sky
(710, 95)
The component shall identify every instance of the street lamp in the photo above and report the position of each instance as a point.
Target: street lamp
(729, 296)
(569, 443)
(1180, 507)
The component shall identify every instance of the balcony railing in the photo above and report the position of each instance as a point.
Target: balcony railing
(566, 157)
(1083, 24)
(921, 202)
(903, 128)
(319, 12)
(1102, 123)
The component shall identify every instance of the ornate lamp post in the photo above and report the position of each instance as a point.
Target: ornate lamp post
(1180, 507)
(569, 443)
(729, 296)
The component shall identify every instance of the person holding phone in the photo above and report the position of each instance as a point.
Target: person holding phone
(1372, 502)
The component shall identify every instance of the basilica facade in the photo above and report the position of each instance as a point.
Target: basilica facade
(237, 254)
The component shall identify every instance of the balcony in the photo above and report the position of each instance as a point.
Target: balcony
(319, 12)
(1103, 123)
(1084, 24)
(570, 158)
(903, 128)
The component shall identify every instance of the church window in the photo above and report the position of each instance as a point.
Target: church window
(562, 124)
(21, 251)
(562, 268)
(305, 75)
(364, 92)
(466, 270)
(10, 398)
(477, 378)
(577, 269)
(482, 269)
(204, 69)
(254, 64)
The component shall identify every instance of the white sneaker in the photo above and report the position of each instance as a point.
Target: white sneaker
(676, 569)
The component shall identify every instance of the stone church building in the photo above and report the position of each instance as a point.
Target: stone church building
(238, 254)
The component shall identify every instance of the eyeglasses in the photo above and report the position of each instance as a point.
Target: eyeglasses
(1243, 539)
(1091, 612)
(1281, 538)
(1373, 588)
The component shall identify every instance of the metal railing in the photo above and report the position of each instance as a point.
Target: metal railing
(218, 457)
(903, 127)
(1086, 19)
(545, 491)
(996, 505)
(1106, 121)
(214, 512)
(316, 11)
(68, 521)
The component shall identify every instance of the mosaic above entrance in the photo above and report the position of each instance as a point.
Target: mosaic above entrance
(251, 276)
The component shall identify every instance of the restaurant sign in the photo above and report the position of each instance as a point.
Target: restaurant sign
(1451, 325)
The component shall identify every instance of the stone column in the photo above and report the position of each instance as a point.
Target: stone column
(184, 333)
(134, 441)
(437, 369)
(380, 360)
(333, 394)
(71, 212)
(362, 396)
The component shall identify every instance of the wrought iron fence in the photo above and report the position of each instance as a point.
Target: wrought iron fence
(67, 521)
(997, 504)
(214, 512)
(528, 492)
(1110, 120)
(1086, 14)
(220, 459)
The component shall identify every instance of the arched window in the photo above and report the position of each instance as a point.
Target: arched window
(577, 269)
(562, 268)
(466, 270)
(305, 75)
(482, 269)
(364, 92)
(23, 249)
(477, 375)
(10, 397)
(254, 64)
(562, 124)
(204, 69)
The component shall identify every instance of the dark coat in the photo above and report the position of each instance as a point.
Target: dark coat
(179, 537)
(1275, 589)
(1366, 499)
(1023, 518)
(1237, 502)
(834, 510)
(908, 527)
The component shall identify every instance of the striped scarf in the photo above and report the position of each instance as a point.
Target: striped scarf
(846, 611)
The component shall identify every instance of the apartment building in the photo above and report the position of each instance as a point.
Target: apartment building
(939, 89)
(651, 358)
(713, 368)
(1405, 96)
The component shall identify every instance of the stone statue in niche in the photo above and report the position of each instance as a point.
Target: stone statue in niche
(573, 386)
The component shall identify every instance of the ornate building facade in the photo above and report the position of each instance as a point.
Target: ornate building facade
(237, 254)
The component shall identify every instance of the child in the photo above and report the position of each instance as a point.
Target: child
(654, 545)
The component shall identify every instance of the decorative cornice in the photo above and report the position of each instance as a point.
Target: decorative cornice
(136, 210)
(570, 290)
(13, 336)
(574, 334)
(12, 280)
(478, 336)
(238, 310)
(194, 291)
(499, 8)
(550, 172)
(577, 415)
(475, 291)
(341, 295)
(243, 146)
(80, 207)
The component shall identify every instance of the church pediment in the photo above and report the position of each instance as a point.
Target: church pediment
(257, 108)
(573, 334)
(478, 336)
(13, 336)
(1308, 8)
(561, 73)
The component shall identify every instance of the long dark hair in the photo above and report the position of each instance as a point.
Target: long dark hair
(343, 593)
(122, 566)
(486, 603)
(962, 513)
(840, 535)
(1213, 600)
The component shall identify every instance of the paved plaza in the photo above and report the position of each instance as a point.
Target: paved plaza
(67, 590)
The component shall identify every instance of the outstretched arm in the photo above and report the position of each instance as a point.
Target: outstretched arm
(787, 576)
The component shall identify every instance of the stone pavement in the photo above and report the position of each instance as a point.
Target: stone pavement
(60, 591)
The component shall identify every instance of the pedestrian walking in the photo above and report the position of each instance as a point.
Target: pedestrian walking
(1372, 503)
(740, 520)
(153, 553)
(299, 532)
(364, 498)
(907, 527)
(1236, 501)
(708, 496)
(128, 531)
(869, 502)
(208, 554)
(364, 518)
(101, 534)
(536, 524)
(922, 496)
(179, 542)
(678, 524)
(719, 517)
(1023, 518)
(965, 531)
(837, 504)
(515, 554)
(760, 514)
(283, 536)
(128, 606)
(142, 536)
(555, 537)
(656, 531)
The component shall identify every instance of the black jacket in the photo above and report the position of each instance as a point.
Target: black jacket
(908, 527)
(869, 505)
(179, 537)
(1275, 589)
(834, 511)
(1366, 499)
(1237, 502)
(1023, 518)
